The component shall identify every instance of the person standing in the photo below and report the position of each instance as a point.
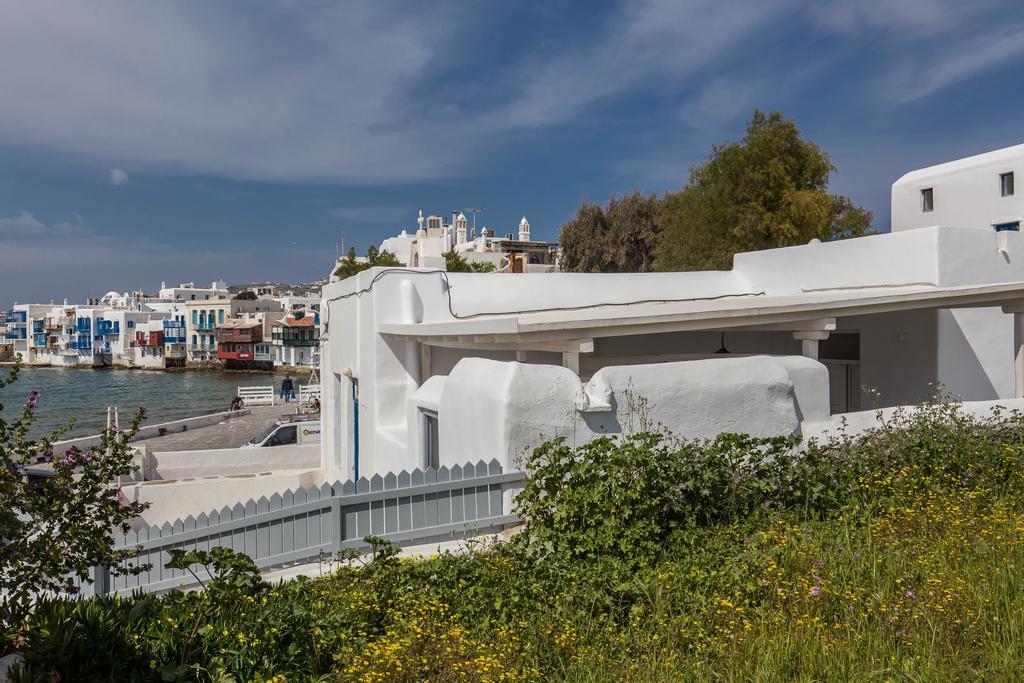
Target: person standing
(287, 387)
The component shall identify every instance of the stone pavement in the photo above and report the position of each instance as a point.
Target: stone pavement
(227, 434)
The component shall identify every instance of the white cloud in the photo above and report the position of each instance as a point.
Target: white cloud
(118, 177)
(24, 224)
(374, 213)
(79, 261)
(654, 43)
(358, 92)
(292, 92)
(969, 57)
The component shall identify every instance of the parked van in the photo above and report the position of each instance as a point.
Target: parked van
(287, 432)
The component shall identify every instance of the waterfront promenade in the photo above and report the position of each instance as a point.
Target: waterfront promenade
(231, 433)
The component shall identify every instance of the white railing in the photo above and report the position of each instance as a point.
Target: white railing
(308, 392)
(257, 396)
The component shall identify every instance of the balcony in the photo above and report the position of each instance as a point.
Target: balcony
(145, 339)
(174, 332)
(16, 317)
(83, 325)
(15, 334)
(235, 355)
(240, 335)
(37, 326)
(108, 327)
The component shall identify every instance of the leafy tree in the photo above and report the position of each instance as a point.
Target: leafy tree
(584, 241)
(455, 263)
(352, 264)
(617, 238)
(55, 531)
(768, 190)
(247, 295)
(633, 220)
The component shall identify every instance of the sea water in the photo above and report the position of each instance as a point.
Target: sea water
(84, 395)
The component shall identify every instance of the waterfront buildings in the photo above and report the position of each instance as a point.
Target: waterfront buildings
(139, 330)
(296, 338)
(426, 367)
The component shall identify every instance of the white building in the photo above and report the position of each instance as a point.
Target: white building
(187, 291)
(296, 338)
(448, 368)
(434, 237)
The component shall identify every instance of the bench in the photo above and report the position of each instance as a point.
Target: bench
(257, 396)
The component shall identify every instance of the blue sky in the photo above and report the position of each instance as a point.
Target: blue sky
(194, 140)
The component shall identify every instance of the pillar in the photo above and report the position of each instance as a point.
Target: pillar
(571, 360)
(1018, 355)
(809, 341)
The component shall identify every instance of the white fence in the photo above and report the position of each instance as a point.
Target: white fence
(257, 396)
(302, 526)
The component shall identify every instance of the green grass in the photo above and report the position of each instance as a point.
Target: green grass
(909, 567)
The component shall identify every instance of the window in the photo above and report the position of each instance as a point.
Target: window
(283, 437)
(431, 440)
(195, 317)
(131, 323)
(927, 200)
(193, 297)
(195, 341)
(1006, 184)
(1007, 227)
(220, 316)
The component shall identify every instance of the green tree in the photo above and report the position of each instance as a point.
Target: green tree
(584, 240)
(352, 264)
(617, 238)
(768, 190)
(247, 295)
(455, 263)
(56, 530)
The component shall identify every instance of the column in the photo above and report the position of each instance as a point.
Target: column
(1018, 355)
(809, 341)
(1017, 310)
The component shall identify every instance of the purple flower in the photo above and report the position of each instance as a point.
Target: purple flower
(910, 594)
(70, 455)
(816, 591)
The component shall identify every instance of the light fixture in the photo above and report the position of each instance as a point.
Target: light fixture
(722, 350)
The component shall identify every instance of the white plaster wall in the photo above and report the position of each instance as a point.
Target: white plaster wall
(897, 355)
(966, 192)
(230, 461)
(907, 258)
(491, 409)
(975, 353)
(177, 499)
(861, 421)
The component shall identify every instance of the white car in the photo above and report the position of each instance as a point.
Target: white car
(287, 432)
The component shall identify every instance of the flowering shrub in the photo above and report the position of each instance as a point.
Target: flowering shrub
(898, 554)
(54, 531)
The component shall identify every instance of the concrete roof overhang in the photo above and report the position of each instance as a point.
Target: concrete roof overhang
(801, 311)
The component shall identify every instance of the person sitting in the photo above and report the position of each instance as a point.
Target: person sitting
(237, 403)
(314, 406)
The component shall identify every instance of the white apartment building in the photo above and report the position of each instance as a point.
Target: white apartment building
(187, 291)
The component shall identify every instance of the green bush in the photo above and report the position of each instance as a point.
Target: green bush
(897, 554)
